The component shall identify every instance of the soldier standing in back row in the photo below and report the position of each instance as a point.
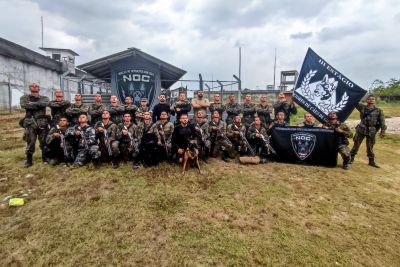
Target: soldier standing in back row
(76, 109)
(58, 106)
(35, 122)
(285, 106)
(116, 110)
(182, 106)
(96, 109)
(232, 109)
(130, 108)
(200, 103)
(342, 132)
(249, 110)
(217, 106)
(264, 111)
(372, 120)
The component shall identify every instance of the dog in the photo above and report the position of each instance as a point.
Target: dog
(190, 158)
(325, 91)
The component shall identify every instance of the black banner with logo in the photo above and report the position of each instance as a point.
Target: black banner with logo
(320, 89)
(313, 146)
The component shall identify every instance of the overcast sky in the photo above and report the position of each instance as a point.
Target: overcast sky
(359, 37)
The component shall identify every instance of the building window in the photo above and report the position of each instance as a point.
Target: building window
(56, 57)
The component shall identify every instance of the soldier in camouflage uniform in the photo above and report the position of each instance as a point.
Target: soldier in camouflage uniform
(249, 110)
(372, 120)
(218, 139)
(96, 109)
(182, 106)
(58, 106)
(286, 106)
(106, 132)
(342, 132)
(258, 139)
(126, 135)
(84, 137)
(143, 108)
(164, 132)
(234, 133)
(76, 109)
(201, 127)
(279, 122)
(309, 121)
(130, 108)
(233, 109)
(217, 106)
(264, 111)
(35, 122)
(147, 133)
(116, 110)
(58, 148)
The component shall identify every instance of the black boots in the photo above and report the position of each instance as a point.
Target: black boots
(225, 156)
(372, 163)
(29, 160)
(352, 159)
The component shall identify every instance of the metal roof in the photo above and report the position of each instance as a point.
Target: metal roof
(101, 67)
(18, 52)
(59, 49)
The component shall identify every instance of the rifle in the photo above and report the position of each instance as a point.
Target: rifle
(266, 142)
(129, 135)
(162, 137)
(244, 139)
(83, 136)
(62, 137)
(106, 140)
(220, 133)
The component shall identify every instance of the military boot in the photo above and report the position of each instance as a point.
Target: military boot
(352, 159)
(44, 158)
(29, 160)
(225, 156)
(114, 164)
(372, 163)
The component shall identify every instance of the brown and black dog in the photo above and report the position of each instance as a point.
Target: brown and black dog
(190, 158)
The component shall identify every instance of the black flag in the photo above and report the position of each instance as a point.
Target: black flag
(321, 89)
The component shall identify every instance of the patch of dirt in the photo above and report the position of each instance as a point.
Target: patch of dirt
(393, 125)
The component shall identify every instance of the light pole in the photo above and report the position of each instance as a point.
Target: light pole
(239, 86)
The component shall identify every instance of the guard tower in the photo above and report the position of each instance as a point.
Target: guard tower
(288, 80)
(65, 56)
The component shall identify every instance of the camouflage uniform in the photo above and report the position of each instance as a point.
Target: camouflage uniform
(371, 120)
(185, 108)
(54, 146)
(259, 144)
(264, 113)
(342, 140)
(218, 139)
(58, 109)
(217, 107)
(275, 124)
(167, 128)
(203, 136)
(74, 111)
(116, 113)
(111, 129)
(237, 142)
(95, 111)
(128, 144)
(285, 107)
(232, 109)
(248, 109)
(88, 150)
(36, 124)
(142, 110)
(132, 109)
(148, 149)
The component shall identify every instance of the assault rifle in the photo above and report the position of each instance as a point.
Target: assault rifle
(106, 140)
(266, 142)
(83, 137)
(244, 139)
(64, 147)
(162, 137)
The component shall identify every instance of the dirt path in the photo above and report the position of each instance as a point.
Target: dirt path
(393, 124)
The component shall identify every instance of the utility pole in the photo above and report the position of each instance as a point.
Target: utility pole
(274, 68)
(41, 18)
(240, 73)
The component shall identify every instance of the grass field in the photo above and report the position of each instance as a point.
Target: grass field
(232, 215)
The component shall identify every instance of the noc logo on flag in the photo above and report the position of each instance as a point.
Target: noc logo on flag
(321, 89)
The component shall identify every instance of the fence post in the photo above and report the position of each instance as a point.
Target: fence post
(9, 95)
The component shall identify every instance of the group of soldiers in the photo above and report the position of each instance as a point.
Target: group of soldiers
(76, 134)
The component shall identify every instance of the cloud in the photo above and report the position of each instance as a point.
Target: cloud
(301, 35)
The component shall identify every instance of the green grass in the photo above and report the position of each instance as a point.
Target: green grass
(232, 215)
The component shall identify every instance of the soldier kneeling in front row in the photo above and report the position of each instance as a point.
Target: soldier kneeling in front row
(58, 147)
(258, 139)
